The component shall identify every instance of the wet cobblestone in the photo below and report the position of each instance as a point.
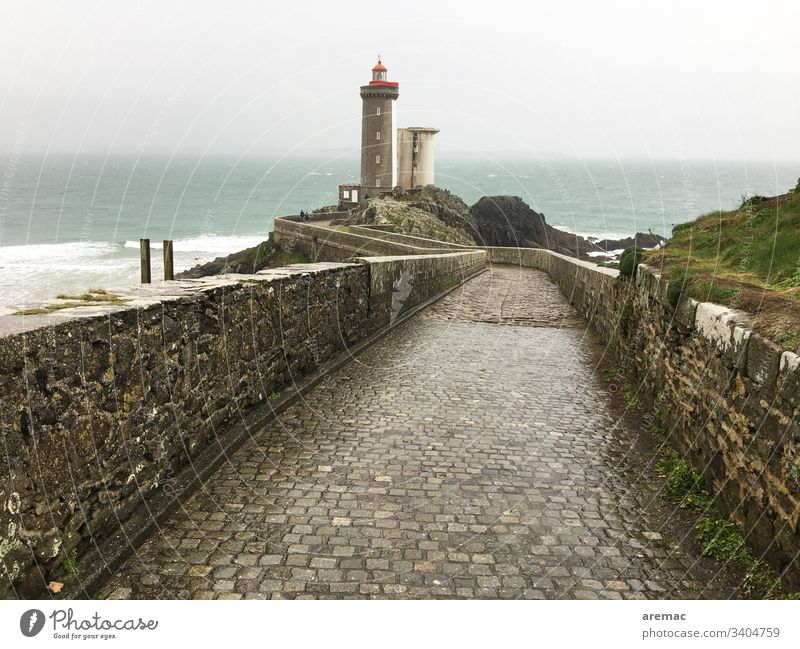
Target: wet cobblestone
(507, 296)
(457, 457)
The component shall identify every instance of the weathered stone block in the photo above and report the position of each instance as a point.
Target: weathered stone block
(714, 322)
(763, 362)
(738, 351)
(789, 379)
(686, 311)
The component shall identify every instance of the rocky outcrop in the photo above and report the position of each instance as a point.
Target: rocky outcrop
(509, 221)
(266, 254)
(640, 239)
(435, 213)
(444, 205)
(421, 218)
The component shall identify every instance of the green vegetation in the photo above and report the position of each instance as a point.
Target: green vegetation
(715, 293)
(755, 244)
(274, 395)
(631, 399)
(92, 297)
(266, 254)
(286, 257)
(625, 316)
(684, 484)
(675, 287)
(629, 261)
(717, 537)
(41, 310)
(752, 201)
(721, 539)
(788, 338)
(70, 563)
(747, 259)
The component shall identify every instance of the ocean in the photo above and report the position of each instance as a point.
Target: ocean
(70, 223)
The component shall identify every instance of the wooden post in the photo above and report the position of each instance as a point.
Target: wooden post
(169, 271)
(144, 258)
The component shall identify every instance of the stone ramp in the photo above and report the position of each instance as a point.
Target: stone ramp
(454, 458)
(507, 296)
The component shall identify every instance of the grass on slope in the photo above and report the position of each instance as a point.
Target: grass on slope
(747, 258)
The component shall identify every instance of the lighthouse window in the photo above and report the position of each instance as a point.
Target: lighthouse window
(378, 112)
(377, 182)
(378, 136)
(377, 159)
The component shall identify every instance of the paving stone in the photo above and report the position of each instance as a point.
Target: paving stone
(470, 453)
(198, 571)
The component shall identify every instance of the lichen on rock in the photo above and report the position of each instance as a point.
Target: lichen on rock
(436, 214)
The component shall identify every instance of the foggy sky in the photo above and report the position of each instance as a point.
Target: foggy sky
(674, 79)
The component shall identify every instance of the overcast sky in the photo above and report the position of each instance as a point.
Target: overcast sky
(592, 79)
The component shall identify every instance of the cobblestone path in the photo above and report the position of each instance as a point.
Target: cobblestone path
(457, 457)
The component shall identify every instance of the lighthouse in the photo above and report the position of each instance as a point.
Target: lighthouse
(415, 155)
(377, 99)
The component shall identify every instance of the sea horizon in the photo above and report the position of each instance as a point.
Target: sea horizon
(69, 222)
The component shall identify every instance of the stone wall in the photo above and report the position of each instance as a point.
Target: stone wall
(726, 397)
(398, 284)
(378, 232)
(316, 216)
(327, 244)
(102, 407)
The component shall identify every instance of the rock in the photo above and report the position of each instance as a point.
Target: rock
(445, 206)
(640, 239)
(251, 260)
(120, 593)
(405, 217)
(33, 585)
(509, 221)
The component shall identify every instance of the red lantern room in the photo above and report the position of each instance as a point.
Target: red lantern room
(379, 76)
(379, 72)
